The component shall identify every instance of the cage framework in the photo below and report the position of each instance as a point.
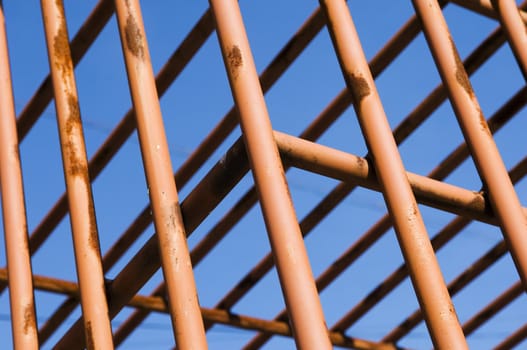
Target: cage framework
(266, 154)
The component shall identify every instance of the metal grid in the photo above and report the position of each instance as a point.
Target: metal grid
(116, 273)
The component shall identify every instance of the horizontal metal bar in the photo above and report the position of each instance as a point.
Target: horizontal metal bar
(158, 304)
(343, 166)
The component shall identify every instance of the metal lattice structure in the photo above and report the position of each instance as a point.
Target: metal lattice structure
(115, 272)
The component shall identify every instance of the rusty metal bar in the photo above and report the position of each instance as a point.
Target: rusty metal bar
(82, 213)
(405, 128)
(270, 75)
(487, 159)
(514, 339)
(292, 263)
(493, 308)
(197, 205)
(392, 281)
(168, 73)
(482, 264)
(175, 260)
(21, 298)
(514, 27)
(389, 52)
(79, 45)
(351, 168)
(42, 97)
(411, 232)
(158, 304)
(455, 286)
(108, 149)
(126, 126)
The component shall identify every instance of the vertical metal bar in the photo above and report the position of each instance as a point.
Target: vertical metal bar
(487, 159)
(514, 28)
(82, 213)
(82, 41)
(426, 275)
(21, 298)
(177, 268)
(293, 266)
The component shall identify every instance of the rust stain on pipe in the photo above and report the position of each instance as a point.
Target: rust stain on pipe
(359, 87)
(235, 61)
(29, 318)
(134, 38)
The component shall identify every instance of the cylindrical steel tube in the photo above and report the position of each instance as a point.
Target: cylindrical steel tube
(177, 268)
(514, 27)
(293, 266)
(97, 328)
(503, 198)
(415, 245)
(21, 298)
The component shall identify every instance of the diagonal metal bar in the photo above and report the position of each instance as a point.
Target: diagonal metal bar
(175, 259)
(158, 304)
(407, 126)
(197, 205)
(485, 8)
(446, 167)
(514, 27)
(514, 339)
(97, 326)
(79, 45)
(269, 76)
(493, 307)
(487, 159)
(293, 266)
(42, 97)
(175, 64)
(21, 298)
(413, 239)
(476, 269)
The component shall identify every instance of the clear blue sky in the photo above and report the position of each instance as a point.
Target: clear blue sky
(199, 99)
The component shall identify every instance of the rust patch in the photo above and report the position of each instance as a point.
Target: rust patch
(134, 38)
(76, 167)
(173, 216)
(93, 239)
(359, 87)
(89, 336)
(60, 7)
(412, 216)
(29, 318)
(62, 54)
(483, 122)
(235, 61)
(461, 74)
(362, 163)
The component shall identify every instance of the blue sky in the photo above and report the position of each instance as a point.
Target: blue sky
(199, 99)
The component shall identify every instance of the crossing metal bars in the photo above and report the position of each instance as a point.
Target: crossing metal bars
(104, 285)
